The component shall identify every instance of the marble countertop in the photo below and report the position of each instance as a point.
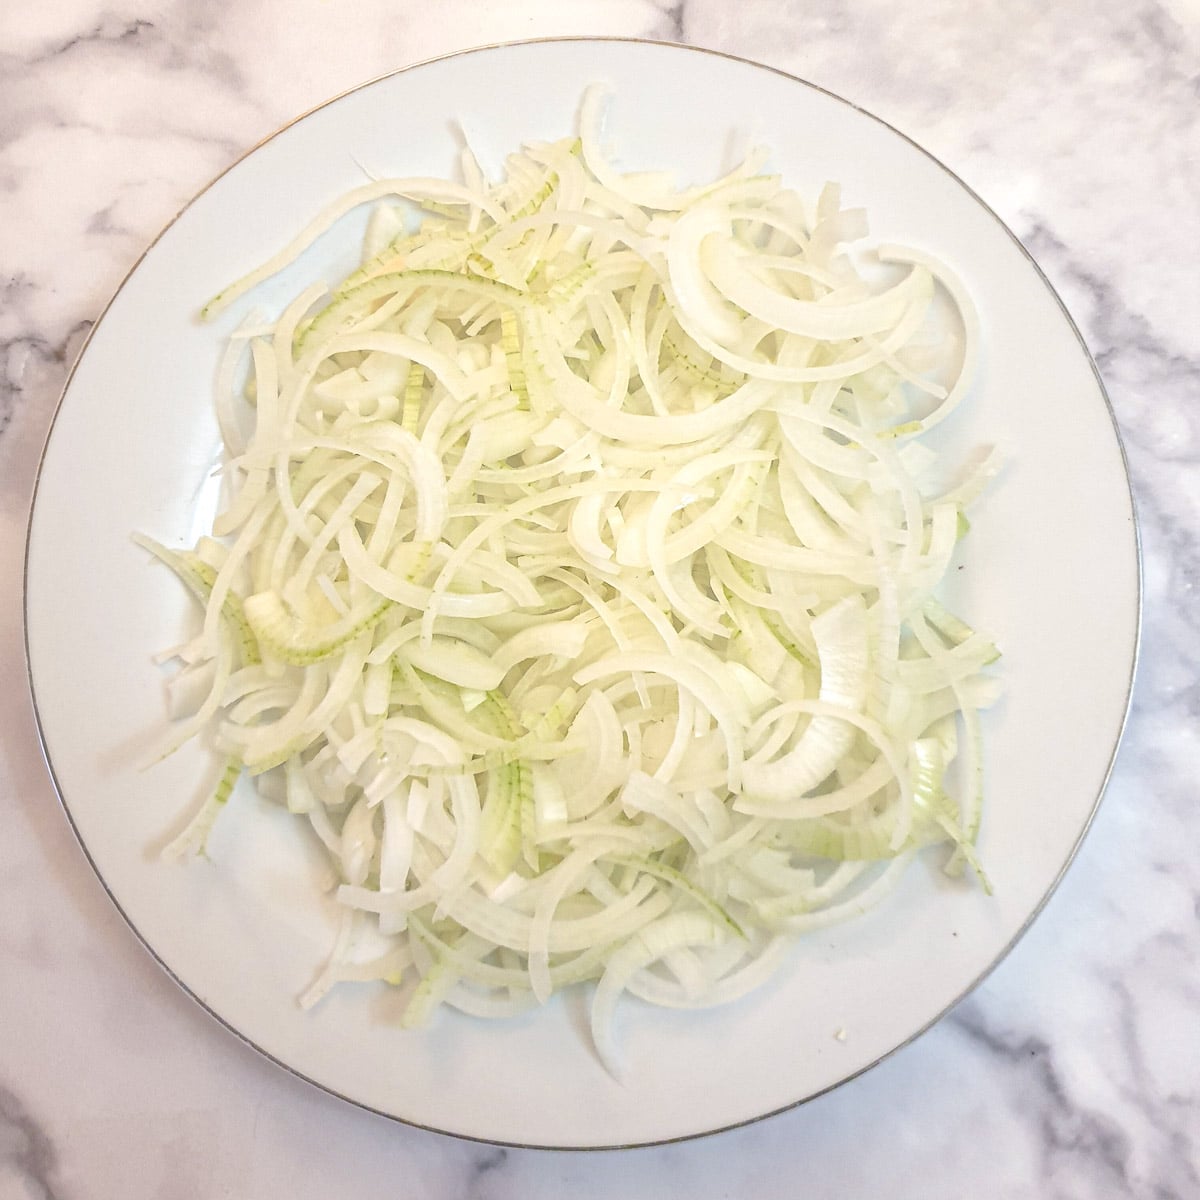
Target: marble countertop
(1074, 1070)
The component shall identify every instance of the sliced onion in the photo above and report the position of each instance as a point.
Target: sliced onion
(577, 582)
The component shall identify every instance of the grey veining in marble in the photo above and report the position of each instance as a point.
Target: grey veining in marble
(28, 1161)
(1074, 1071)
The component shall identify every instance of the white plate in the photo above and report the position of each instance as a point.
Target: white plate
(1051, 567)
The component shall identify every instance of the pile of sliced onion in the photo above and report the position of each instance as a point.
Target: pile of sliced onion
(577, 581)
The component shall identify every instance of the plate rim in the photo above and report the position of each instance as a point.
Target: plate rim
(1129, 684)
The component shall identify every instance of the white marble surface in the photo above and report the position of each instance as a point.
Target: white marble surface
(1074, 1071)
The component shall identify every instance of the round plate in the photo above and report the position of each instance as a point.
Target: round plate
(1051, 568)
